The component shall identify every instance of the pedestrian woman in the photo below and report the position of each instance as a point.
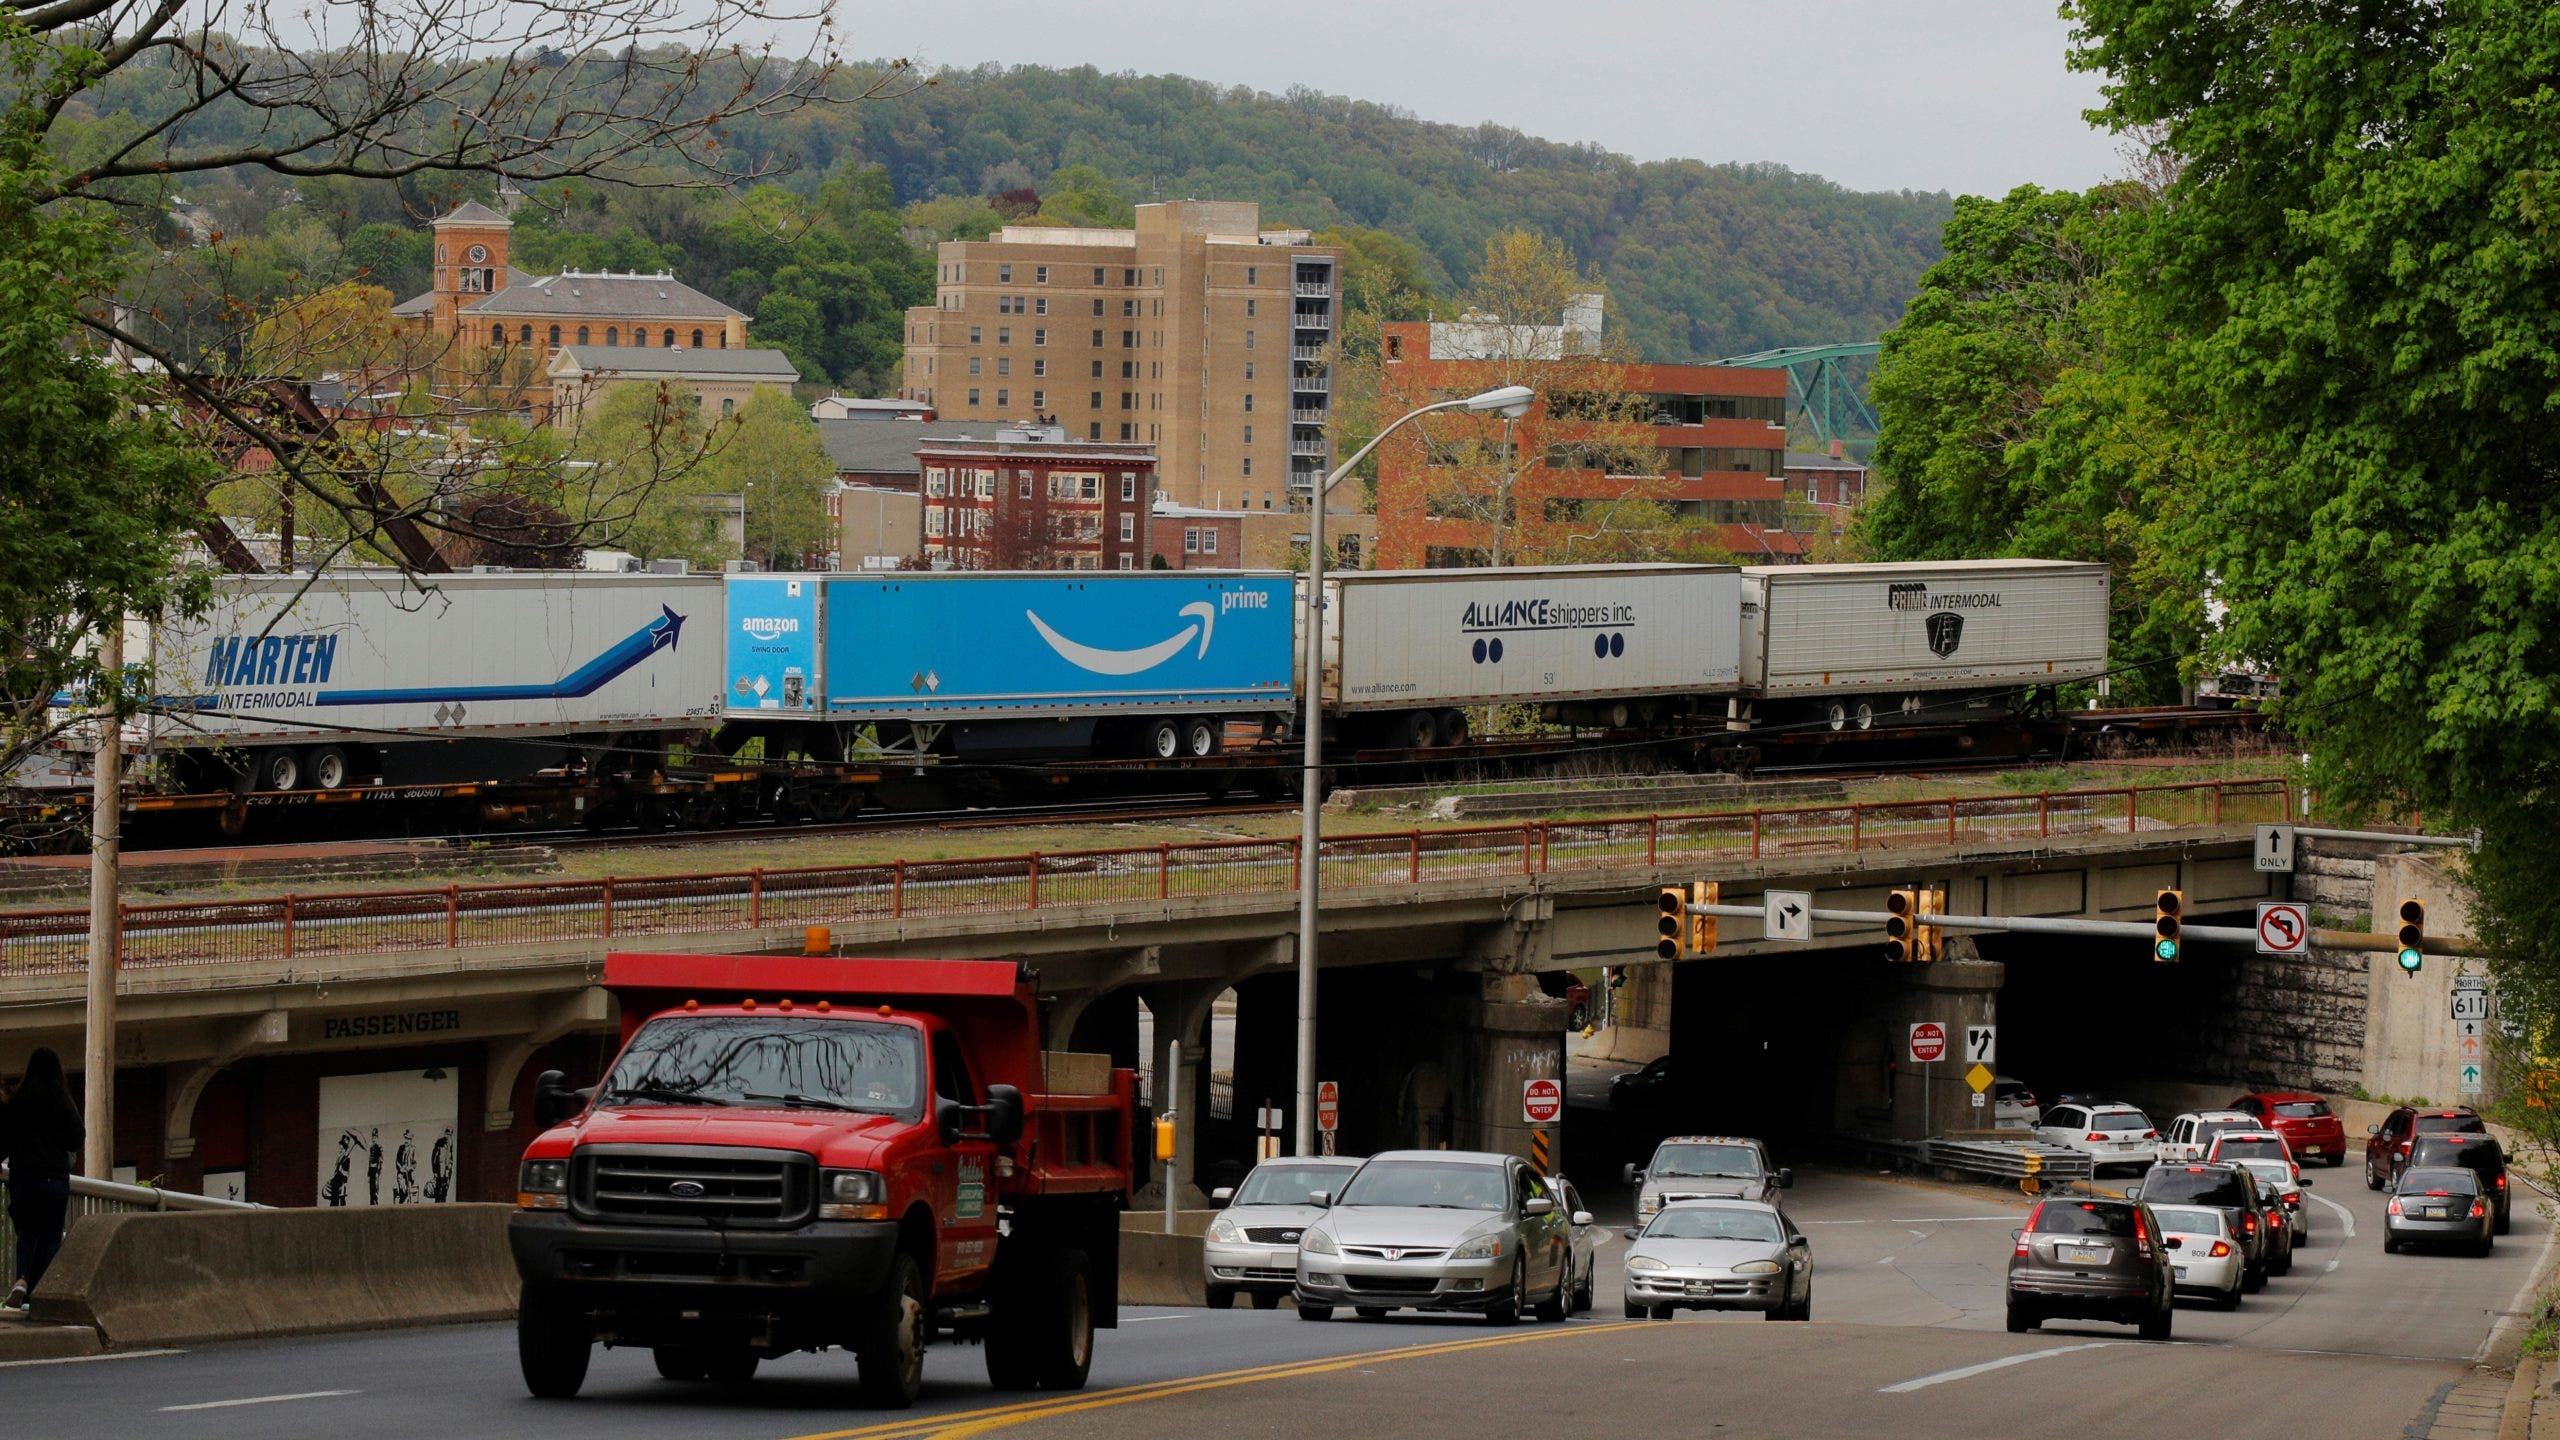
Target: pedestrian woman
(40, 1136)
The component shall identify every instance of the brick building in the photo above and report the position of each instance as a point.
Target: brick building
(1707, 441)
(1191, 537)
(1197, 333)
(1032, 498)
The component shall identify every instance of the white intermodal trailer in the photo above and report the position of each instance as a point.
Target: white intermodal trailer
(1616, 646)
(291, 682)
(1853, 646)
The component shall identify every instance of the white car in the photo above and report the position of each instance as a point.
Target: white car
(2107, 1134)
(2285, 1182)
(2191, 1135)
(2014, 1105)
(2204, 1257)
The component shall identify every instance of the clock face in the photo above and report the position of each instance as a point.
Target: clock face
(479, 253)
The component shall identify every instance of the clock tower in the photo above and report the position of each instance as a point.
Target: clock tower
(471, 261)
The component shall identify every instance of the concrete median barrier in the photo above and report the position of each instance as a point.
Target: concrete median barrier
(192, 1277)
(1161, 1269)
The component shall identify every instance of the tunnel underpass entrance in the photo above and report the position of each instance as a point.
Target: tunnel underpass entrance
(1780, 1047)
(2100, 1016)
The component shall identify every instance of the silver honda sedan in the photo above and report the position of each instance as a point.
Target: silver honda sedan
(1440, 1230)
(1719, 1255)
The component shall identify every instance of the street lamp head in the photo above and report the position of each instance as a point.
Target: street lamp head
(1512, 400)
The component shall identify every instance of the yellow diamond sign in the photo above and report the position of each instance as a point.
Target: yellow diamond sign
(1979, 1077)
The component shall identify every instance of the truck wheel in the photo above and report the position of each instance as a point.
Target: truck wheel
(1042, 1331)
(730, 1367)
(551, 1344)
(890, 1345)
(680, 1362)
(279, 769)
(329, 768)
(1203, 738)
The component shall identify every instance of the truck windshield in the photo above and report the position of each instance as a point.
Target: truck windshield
(1733, 1162)
(1284, 1184)
(769, 1060)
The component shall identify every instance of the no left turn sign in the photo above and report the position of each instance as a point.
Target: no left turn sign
(2284, 928)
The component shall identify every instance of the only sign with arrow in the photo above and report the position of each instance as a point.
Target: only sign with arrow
(1788, 916)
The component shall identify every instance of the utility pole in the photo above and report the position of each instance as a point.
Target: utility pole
(106, 928)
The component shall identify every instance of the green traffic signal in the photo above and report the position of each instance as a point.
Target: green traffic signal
(2410, 959)
(2166, 949)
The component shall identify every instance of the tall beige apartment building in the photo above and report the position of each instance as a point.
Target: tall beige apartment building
(1197, 332)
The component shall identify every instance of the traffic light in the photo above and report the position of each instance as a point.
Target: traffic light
(2167, 909)
(2413, 936)
(1672, 926)
(1702, 928)
(1618, 978)
(1928, 941)
(1901, 933)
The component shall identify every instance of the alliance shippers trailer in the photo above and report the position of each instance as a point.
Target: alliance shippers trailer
(1608, 645)
(301, 682)
(1939, 641)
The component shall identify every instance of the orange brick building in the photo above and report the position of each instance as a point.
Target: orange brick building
(1708, 441)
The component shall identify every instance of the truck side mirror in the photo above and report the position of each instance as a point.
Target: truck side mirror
(946, 1119)
(1004, 1114)
(1786, 1179)
(1224, 1194)
(1633, 1175)
(1536, 1206)
(553, 1100)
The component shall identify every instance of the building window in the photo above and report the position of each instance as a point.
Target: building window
(555, 336)
(524, 335)
(1039, 399)
(669, 338)
(1248, 434)
(497, 334)
(973, 394)
(1128, 528)
(1040, 306)
(1097, 404)
(933, 521)
(1040, 337)
(1098, 280)
(1040, 275)
(697, 339)
(1249, 307)
(1248, 339)
(1159, 280)
(1128, 562)
(1128, 339)
(986, 484)
(728, 406)
(1004, 398)
(1248, 403)
(1004, 274)
(1190, 540)
(1039, 367)
(1093, 431)
(1097, 369)
(1004, 334)
(1128, 309)
(1004, 304)
(1128, 431)
(1004, 364)
(1097, 307)
(1128, 369)
(1128, 490)
(1208, 540)
(640, 337)
(613, 334)
(934, 483)
(973, 365)
(1248, 466)
(1248, 370)
(1022, 485)
(1253, 274)
(1097, 339)
(582, 334)
(1128, 400)
(1129, 276)
(721, 341)
(974, 334)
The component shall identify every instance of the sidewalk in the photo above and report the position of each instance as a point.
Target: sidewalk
(25, 1339)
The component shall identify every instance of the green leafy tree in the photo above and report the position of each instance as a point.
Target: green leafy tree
(770, 454)
(2355, 279)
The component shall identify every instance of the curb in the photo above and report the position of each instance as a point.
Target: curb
(28, 1341)
(2515, 1422)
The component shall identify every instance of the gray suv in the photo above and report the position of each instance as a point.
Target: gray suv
(2091, 1260)
(1706, 1167)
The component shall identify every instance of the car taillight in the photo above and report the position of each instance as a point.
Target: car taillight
(2141, 1235)
(2249, 1223)
(2032, 1217)
(2094, 1135)
(2293, 1197)
(2395, 1204)
(2478, 1209)
(2438, 1194)
(2150, 1134)
(2502, 1182)
(2220, 1249)
(2276, 1218)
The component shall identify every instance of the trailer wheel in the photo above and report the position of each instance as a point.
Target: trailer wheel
(1418, 730)
(279, 769)
(1202, 738)
(731, 1367)
(1866, 715)
(680, 1362)
(329, 768)
(1453, 727)
(1164, 739)
(1836, 716)
(552, 1346)
(890, 1345)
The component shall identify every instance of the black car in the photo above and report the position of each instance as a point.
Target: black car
(2226, 1188)
(2479, 1154)
(1643, 1092)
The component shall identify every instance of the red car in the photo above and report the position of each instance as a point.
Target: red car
(2303, 1119)
(2387, 1153)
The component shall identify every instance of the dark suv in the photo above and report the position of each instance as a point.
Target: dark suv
(2386, 1154)
(2091, 1259)
(2479, 1154)
(2226, 1188)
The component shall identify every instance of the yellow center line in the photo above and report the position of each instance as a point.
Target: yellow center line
(980, 1421)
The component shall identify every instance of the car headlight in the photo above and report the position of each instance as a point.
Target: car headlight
(542, 1185)
(1645, 1262)
(852, 1195)
(1483, 1247)
(1758, 1267)
(1222, 1230)
(1317, 1242)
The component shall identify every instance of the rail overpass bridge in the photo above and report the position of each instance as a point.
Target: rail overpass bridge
(247, 1029)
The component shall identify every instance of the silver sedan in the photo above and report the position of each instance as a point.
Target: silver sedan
(1252, 1249)
(1440, 1230)
(1719, 1255)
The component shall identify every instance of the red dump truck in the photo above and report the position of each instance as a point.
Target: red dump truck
(796, 1153)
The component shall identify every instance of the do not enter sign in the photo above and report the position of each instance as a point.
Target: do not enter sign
(1541, 1101)
(1928, 1042)
(1328, 1107)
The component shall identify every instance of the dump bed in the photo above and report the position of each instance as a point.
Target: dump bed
(1923, 627)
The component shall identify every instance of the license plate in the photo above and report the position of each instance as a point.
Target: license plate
(2083, 1255)
(2430, 1212)
(2178, 1272)
(2310, 1149)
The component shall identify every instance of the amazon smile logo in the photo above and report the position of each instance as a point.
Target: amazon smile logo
(1131, 662)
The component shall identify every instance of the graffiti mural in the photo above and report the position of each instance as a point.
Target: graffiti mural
(387, 1139)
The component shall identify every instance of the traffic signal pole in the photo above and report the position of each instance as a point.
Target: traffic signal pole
(2103, 929)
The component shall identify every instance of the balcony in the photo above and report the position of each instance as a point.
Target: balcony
(1316, 380)
(1314, 318)
(1308, 352)
(1307, 415)
(1315, 289)
(1313, 445)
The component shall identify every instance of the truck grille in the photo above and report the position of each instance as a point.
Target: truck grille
(709, 1185)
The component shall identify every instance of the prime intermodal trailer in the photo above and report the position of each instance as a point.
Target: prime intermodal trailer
(1847, 647)
(1067, 663)
(292, 682)
(1615, 646)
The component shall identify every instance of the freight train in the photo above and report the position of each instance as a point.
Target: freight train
(357, 680)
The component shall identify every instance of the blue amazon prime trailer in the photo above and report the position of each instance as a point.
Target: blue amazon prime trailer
(1157, 663)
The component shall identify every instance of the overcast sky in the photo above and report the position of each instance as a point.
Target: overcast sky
(1970, 96)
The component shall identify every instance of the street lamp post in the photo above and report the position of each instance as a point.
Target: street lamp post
(1512, 401)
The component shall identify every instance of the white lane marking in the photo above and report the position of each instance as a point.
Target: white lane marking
(2332, 1270)
(85, 1359)
(1146, 1319)
(2345, 1216)
(2011, 1216)
(1889, 1259)
(1967, 1372)
(258, 1400)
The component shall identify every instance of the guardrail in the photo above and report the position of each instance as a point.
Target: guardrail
(108, 1197)
(453, 917)
(2011, 1160)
